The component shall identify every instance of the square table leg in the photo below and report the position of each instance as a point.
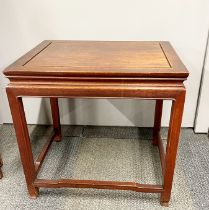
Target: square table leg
(172, 146)
(33, 184)
(157, 121)
(18, 115)
(56, 118)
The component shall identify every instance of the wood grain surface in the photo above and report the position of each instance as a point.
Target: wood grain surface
(100, 58)
(98, 69)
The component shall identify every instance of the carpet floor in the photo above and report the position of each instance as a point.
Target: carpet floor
(105, 153)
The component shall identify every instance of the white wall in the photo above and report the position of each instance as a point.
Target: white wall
(202, 118)
(23, 24)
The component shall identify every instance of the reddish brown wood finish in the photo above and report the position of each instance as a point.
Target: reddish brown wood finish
(23, 141)
(172, 145)
(56, 118)
(99, 59)
(157, 121)
(162, 153)
(88, 69)
(61, 183)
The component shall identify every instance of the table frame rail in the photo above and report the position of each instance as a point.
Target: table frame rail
(156, 91)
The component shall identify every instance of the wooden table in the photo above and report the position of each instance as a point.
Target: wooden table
(98, 69)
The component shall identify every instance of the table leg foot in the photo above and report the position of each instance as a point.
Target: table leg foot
(58, 138)
(1, 174)
(34, 192)
(165, 204)
(154, 143)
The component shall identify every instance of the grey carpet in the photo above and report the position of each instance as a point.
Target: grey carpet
(105, 153)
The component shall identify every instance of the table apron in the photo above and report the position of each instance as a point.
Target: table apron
(127, 91)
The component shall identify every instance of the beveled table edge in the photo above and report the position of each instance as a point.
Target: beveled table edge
(17, 69)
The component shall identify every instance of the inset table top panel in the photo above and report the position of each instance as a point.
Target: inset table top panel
(100, 55)
(99, 59)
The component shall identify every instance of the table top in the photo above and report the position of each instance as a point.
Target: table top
(145, 59)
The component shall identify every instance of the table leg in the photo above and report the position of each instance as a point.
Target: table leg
(56, 118)
(1, 164)
(23, 140)
(172, 146)
(157, 121)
